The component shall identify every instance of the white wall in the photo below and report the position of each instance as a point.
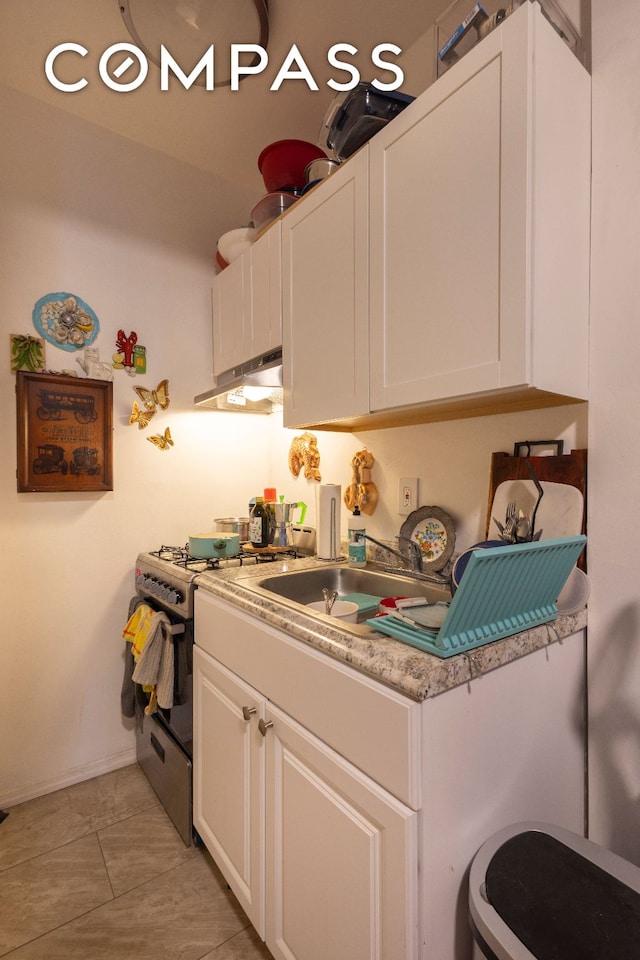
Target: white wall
(451, 460)
(614, 465)
(132, 233)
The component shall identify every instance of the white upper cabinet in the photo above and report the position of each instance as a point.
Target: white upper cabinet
(265, 293)
(479, 213)
(228, 308)
(325, 259)
(453, 249)
(247, 304)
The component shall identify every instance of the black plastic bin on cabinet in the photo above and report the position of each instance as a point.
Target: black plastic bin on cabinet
(538, 892)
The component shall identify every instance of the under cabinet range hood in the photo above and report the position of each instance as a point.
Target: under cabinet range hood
(252, 387)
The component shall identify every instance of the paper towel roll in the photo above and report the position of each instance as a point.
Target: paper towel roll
(328, 505)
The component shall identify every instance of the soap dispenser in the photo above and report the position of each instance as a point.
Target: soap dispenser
(357, 543)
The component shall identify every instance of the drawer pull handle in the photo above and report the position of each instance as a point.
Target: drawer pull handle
(263, 727)
(157, 746)
(247, 712)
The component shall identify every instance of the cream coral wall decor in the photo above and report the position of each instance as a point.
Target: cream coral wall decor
(361, 492)
(304, 453)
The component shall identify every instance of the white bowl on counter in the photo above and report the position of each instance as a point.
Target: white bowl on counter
(341, 609)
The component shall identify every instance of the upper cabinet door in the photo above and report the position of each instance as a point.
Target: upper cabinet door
(325, 299)
(479, 226)
(265, 294)
(228, 316)
(341, 855)
(228, 779)
(247, 304)
(435, 247)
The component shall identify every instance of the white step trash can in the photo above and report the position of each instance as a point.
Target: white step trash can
(539, 892)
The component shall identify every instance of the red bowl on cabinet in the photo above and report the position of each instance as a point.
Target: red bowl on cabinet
(282, 163)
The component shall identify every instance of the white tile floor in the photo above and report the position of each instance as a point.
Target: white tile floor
(97, 871)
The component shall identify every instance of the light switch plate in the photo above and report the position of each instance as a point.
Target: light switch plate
(407, 496)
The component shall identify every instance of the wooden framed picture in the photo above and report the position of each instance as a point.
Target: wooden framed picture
(65, 433)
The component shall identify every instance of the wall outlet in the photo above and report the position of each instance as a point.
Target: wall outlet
(408, 496)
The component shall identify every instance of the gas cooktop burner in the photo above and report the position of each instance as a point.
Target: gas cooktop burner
(169, 553)
(180, 557)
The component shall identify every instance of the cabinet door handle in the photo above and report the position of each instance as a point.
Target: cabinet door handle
(263, 727)
(247, 712)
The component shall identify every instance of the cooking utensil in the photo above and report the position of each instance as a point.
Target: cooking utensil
(510, 522)
(233, 243)
(460, 565)
(209, 546)
(239, 525)
(303, 539)
(283, 162)
(575, 593)
(283, 512)
(535, 534)
(431, 529)
(354, 117)
(522, 527)
(319, 169)
(270, 207)
(388, 604)
(428, 616)
(329, 599)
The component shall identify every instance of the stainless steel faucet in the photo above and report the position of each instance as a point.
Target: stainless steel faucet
(412, 563)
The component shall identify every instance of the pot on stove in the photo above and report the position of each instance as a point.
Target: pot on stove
(209, 546)
(239, 525)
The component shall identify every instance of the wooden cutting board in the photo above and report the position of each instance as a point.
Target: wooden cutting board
(563, 508)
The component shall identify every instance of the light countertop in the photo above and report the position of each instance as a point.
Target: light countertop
(416, 674)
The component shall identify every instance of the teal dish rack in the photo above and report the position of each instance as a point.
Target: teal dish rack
(504, 590)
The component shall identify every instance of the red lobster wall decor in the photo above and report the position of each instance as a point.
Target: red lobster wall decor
(125, 345)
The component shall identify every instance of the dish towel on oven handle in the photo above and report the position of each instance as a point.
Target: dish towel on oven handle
(149, 632)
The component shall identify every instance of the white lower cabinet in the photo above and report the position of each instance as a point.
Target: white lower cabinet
(320, 856)
(229, 780)
(341, 855)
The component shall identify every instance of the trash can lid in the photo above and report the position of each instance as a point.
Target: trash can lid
(560, 905)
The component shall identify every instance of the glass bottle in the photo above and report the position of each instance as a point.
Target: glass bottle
(259, 524)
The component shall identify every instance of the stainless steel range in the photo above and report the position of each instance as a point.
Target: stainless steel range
(166, 579)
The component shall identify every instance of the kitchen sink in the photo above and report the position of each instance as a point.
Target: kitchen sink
(305, 586)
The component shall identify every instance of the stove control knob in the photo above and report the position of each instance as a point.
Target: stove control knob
(162, 590)
(140, 578)
(173, 596)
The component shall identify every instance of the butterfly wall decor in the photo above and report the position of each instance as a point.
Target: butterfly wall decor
(153, 398)
(162, 441)
(141, 417)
